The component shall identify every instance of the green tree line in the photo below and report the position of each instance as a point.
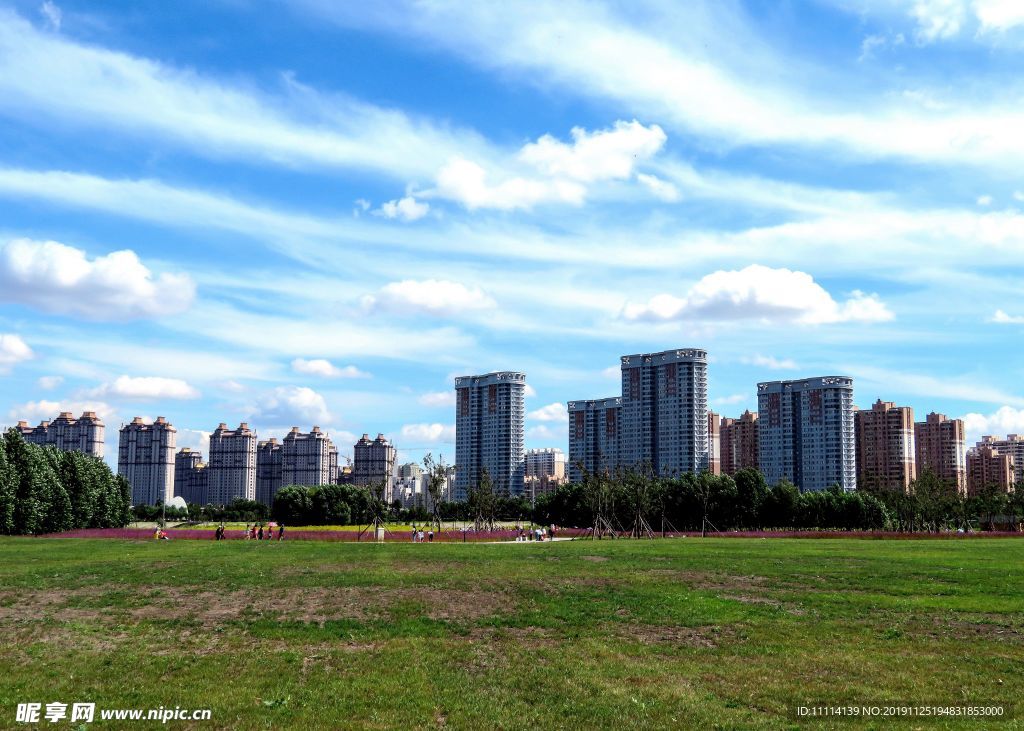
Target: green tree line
(45, 490)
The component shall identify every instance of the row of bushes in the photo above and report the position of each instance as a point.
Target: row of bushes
(44, 490)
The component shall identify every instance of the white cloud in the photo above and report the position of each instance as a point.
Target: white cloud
(1018, 196)
(736, 398)
(427, 434)
(984, 200)
(612, 372)
(433, 296)
(466, 182)
(43, 75)
(51, 13)
(146, 389)
(194, 439)
(325, 369)
(53, 277)
(438, 398)
(760, 293)
(553, 171)
(13, 350)
(768, 361)
(999, 15)
(1006, 420)
(1005, 319)
(592, 156)
(43, 410)
(552, 412)
(662, 189)
(948, 387)
(543, 432)
(292, 406)
(48, 383)
(938, 19)
(529, 391)
(231, 386)
(405, 209)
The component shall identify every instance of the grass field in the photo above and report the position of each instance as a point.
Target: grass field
(676, 633)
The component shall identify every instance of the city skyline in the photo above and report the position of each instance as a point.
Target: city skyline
(276, 240)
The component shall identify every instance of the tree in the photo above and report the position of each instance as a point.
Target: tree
(751, 493)
(8, 483)
(437, 479)
(481, 501)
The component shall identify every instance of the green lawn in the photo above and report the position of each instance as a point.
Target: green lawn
(663, 634)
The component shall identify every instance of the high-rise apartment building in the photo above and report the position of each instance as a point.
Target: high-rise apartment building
(232, 465)
(1013, 445)
(940, 447)
(145, 457)
(410, 487)
(306, 459)
(886, 456)
(739, 443)
(665, 411)
(268, 470)
(490, 416)
(190, 477)
(544, 471)
(714, 443)
(593, 436)
(806, 432)
(373, 463)
(68, 434)
(988, 468)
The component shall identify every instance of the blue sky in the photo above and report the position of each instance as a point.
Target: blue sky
(320, 213)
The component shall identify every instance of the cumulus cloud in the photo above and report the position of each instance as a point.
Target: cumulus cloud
(57, 278)
(292, 406)
(325, 369)
(146, 388)
(48, 383)
(1003, 318)
(984, 200)
(438, 398)
(44, 410)
(736, 398)
(432, 296)
(999, 15)
(194, 439)
(404, 209)
(938, 19)
(552, 412)
(529, 391)
(467, 182)
(546, 433)
(592, 156)
(552, 171)
(13, 350)
(1006, 420)
(760, 293)
(612, 372)
(426, 434)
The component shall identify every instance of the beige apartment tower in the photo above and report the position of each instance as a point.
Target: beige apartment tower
(988, 468)
(68, 434)
(739, 443)
(232, 465)
(306, 459)
(1013, 445)
(145, 458)
(374, 462)
(940, 446)
(714, 443)
(886, 457)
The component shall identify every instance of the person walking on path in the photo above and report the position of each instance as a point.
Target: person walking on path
(259, 534)
(280, 532)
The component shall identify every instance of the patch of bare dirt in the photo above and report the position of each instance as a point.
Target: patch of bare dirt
(596, 559)
(649, 634)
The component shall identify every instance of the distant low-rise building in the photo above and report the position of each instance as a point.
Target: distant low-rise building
(145, 458)
(739, 443)
(84, 434)
(940, 447)
(988, 468)
(544, 470)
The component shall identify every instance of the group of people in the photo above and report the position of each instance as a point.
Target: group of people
(535, 534)
(254, 532)
(160, 535)
(418, 535)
